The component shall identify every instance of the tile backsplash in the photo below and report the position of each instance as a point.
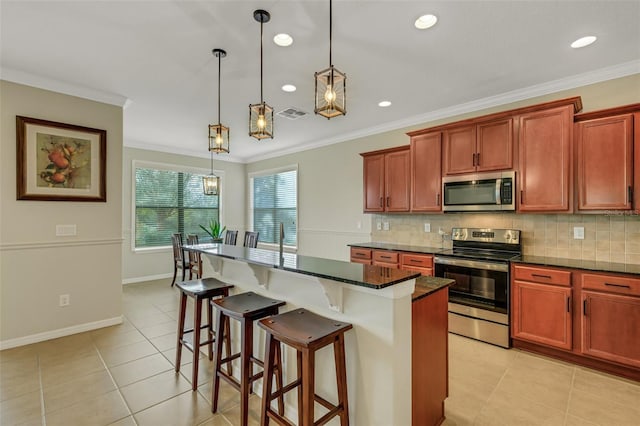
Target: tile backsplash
(614, 238)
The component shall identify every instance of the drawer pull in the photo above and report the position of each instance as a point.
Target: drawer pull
(584, 307)
(360, 255)
(385, 257)
(568, 304)
(415, 260)
(541, 276)
(618, 285)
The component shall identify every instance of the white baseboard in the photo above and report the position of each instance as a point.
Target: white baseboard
(61, 332)
(146, 278)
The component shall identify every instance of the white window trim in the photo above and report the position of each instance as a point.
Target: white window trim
(267, 172)
(140, 164)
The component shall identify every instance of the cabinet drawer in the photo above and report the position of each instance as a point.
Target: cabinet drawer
(385, 256)
(416, 260)
(360, 253)
(611, 284)
(427, 272)
(542, 275)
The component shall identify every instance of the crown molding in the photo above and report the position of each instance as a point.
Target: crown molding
(554, 86)
(66, 88)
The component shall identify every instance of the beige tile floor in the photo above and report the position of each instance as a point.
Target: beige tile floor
(123, 375)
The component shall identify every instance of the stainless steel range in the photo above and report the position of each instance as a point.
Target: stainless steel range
(479, 264)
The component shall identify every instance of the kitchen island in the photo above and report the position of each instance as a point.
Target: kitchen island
(376, 300)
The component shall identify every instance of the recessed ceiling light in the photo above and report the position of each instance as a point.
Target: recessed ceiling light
(384, 104)
(283, 39)
(582, 42)
(426, 21)
(289, 88)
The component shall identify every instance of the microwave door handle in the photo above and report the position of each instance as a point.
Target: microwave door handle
(498, 195)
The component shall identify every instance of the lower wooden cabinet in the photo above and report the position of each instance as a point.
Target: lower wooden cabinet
(611, 327)
(418, 262)
(422, 263)
(541, 313)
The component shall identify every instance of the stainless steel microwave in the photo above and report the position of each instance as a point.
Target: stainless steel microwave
(479, 192)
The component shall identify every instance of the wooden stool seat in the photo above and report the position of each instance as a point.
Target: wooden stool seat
(245, 308)
(200, 290)
(306, 332)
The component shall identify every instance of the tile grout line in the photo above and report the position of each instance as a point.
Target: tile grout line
(566, 412)
(42, 407)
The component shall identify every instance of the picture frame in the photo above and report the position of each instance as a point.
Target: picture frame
(60, 162)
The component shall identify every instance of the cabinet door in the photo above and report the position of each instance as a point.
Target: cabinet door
(426, 172)
(396, 170)
(373, 183)
(611, 327)
(636, 160)
(545, 160)
(605, 163)
(459, 150)
(541, 313)
(495, 145)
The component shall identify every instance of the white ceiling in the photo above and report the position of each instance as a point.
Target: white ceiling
(156, 55)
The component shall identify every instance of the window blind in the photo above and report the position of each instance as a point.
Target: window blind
(275, 201)
(170, 201)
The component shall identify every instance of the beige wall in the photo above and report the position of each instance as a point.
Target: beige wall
(330, 193)
(36, 266)
(142, 265)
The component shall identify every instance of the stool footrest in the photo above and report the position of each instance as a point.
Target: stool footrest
(331, 414)
(285, 389)
(190, 330)
(278, 418)
(326, 404)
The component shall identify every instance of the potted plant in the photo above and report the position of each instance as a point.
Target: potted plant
(214, 230)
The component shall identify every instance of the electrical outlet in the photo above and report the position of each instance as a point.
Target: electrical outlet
(379, 226)
(427, 227)
(578, 232)
(385, 226)
(65, 300)
(359, 225)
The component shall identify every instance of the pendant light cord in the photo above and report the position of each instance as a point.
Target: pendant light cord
(211, 152)
(330, 30)
(261, 37)
(219, 67)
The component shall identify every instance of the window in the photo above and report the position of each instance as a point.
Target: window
(274, 200)
(169, 200)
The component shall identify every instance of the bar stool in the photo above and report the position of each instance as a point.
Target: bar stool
(201, 290)
(306, 332)
(245, 308)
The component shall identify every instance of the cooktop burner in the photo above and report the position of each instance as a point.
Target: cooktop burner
(484, 244)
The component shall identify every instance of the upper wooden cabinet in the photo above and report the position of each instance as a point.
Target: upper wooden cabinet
(545, 150)
(426, 172)
(386, 180)
(478, 148)
(605, 166)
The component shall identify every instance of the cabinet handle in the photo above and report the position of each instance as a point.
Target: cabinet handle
(437, 199)
(521, 196)
(474, 160)
(541, 276)
(388, 201)
(478, 159)
(584, 307)
(630, 194)
(568, 304)
(618, 285)
(381, 203)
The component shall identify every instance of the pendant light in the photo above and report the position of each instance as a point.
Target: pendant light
(211, 182)
(261, 115)
(331, 84)
(219, 134)
(218, 139)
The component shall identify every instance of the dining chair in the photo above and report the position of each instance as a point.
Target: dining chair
(231, 237)
(251, 239)
(195, 258)
(179, 261)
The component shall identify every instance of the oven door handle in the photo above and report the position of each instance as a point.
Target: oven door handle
(488, 266)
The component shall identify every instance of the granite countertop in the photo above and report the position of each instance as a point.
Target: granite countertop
(590, 265)
(375, 277)
(398, 247)
(427, 285)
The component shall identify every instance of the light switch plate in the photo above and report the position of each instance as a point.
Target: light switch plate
(379, 226)
(427, 227)
(65, 230)
(578, 232)
(385, 226)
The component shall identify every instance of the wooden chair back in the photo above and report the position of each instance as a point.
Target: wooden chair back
(195, 259)
(179, 262)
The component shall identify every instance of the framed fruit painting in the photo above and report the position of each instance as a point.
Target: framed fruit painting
(60, 162)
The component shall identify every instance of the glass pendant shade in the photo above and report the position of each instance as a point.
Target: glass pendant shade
(260, 121)
(331, 93)
(211, 184)
(218, 138)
